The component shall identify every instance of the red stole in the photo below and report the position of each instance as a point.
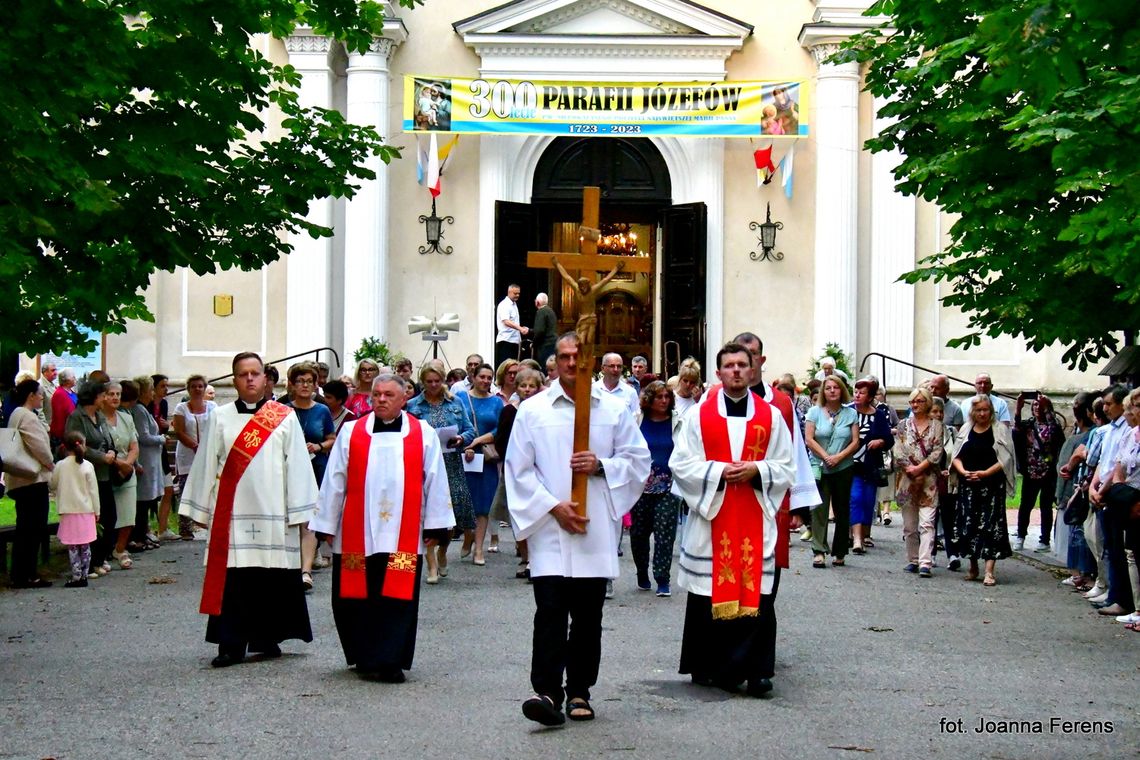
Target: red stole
(738, 528)
(781, 401)
(260, 426)
(400, 576)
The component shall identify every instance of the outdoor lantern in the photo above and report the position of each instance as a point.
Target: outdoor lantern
(433, 225)
(767, 239)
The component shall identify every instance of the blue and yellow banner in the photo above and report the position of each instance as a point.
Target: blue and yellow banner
(770, 109)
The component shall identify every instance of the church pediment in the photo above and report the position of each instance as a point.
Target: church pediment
(603, 17)
(667, 40)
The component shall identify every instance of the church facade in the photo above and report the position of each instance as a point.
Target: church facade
(692, 202)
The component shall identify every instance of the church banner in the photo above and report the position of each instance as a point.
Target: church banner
(769, 109)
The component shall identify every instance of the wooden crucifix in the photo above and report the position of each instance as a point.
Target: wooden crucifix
(586, 261)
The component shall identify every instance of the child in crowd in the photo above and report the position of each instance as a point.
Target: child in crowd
(77, 501)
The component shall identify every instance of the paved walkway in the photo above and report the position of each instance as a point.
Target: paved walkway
(871, 660)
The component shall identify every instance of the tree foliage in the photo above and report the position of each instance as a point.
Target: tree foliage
(1020, 118)
(131, 140)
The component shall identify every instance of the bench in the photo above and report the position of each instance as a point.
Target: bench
(8, 535)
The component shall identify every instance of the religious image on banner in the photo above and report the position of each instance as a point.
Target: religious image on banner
(781, 112)
(432, 105)
(750, 109)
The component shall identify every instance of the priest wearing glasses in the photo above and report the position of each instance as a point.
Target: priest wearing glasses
(384, 498)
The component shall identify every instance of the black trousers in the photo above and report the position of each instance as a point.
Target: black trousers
(101, 547)
(1031, 488)
(729, 651)
(577, 653)
(31, 527)
(947, 516)
(505, 350)
(1117, 511)
(143, 511)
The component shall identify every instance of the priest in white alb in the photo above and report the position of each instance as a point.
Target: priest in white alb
(571, 556)
(252, 485)
(384, 496)
(733, 464)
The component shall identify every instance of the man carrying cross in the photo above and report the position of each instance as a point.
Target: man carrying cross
(384, 497)
(733, 464)
(572, 554)
(252, 485)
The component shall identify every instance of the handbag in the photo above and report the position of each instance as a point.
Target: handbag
(14, 458)
(488, 450)
(1077, 508)
(117, 478)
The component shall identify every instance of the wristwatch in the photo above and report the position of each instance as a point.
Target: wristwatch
(601, 470)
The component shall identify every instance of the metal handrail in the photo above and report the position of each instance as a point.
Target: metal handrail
(885, 358)
(316, 352)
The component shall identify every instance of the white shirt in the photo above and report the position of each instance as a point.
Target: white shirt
(507, 310)
(275, 496)
(384, 487)
(537, 471)
(624, 393)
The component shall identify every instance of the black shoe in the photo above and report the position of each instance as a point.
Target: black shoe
(543, 710)
(955, 564)
(700, 679)
(759, 687)
(383, 675)
(79, 583)
(725, 685)
(225, 659)
(267, 651)
(33, 583)
(643, 582)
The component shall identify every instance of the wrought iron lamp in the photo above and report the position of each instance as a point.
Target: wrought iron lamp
(767, 239)
(433, 225)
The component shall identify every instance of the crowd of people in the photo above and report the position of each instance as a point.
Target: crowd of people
(485, 448)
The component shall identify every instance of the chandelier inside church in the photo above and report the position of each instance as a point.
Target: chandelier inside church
(617, 240)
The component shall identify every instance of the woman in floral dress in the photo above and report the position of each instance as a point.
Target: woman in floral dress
(917, 453)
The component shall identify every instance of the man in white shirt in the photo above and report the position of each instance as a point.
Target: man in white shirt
(48, 385)
(984, 386)
(571, 555)
(508, 339)
(613, 384)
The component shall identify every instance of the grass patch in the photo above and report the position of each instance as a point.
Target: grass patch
(8, 512)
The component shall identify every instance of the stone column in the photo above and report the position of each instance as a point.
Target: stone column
(892, 253)
(836, 205)
(366, 214)
(308, 315)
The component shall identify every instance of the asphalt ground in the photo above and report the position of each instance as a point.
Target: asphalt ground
(872, 661)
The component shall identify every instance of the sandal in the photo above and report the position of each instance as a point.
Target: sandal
(858, 550)
(868, 543)
(541, 709)
(990, 580)
(1132, 627)
(819, 562)
(837, 562)
(970, 576)
(579, 709)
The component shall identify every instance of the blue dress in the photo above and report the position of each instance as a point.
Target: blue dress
(317, 424)
(482, 485)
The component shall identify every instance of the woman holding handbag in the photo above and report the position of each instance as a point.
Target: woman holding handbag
(484, 409)
(917, 453)
(875, 439)
(88, 420)
(124, 484)
(1073, 498)
(29, 489)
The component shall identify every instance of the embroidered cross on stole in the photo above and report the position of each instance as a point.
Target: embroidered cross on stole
(400, 575)
(247, 445)
(738, 528)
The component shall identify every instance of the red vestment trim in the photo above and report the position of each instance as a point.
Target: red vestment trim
(738, 528)
(781, 401)
(400, 576)
(247, 445)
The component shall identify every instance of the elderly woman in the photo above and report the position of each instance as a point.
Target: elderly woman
(917, 454)
(137, 396)
(125, 444)
(656, 511)
(1043, 438)
(438, 408)
(832, 437)
(317, 425)
(484, 409)
(63, 403)
(88, 420)
(360, 402)
(336, 396)
(29, 489)
(1070, 469)
(875, 439)
(983, 464)
(189, 425)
